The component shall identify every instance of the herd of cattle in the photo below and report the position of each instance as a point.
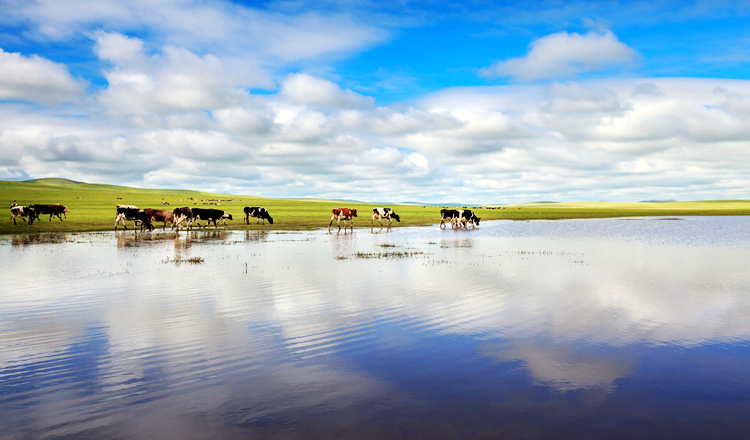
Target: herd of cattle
(185, 217)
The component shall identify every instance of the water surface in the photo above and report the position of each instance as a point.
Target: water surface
(613, 328)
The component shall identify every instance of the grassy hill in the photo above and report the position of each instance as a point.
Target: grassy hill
(92, 207)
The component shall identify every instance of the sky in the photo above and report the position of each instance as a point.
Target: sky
(474, 102)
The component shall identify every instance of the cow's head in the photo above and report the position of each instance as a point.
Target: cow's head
(476, 220)
(227, 216)
(354, 212)
(268, 217)
(66, 209)
(30, 214)
(396, 217)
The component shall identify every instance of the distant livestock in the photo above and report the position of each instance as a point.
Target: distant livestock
(384, 213)
(259, 213)
(19, 211)
(210, 215)
(52, 210)
(342, 214)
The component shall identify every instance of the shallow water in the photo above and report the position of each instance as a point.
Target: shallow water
(614, 328)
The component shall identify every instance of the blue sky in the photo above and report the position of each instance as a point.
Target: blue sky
(470, 102)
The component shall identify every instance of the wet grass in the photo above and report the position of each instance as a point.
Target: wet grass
(178, 260)
(92, 208)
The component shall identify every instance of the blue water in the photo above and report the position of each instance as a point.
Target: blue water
(586, 329)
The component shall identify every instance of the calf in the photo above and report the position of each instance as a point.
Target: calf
(52, 210)
(343, 214)
(210, 215)
(127, 212)
(260, 213)
(184, 214)
(386, 213)
(159, 215)
(19, 211)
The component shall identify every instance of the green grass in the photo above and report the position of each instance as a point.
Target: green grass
(92, 208)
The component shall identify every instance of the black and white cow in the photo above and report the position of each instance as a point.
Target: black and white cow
(19, 211)
(210, 215)
(466, 216)
(184, 214)
(447, 215)
(130, 213)
(384, 213)
(260, 213)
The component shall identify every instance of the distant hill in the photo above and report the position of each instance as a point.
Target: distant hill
(54, 181)
(658, 201)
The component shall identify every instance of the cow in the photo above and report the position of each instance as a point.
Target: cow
(131, 212)
(184, 214)
(343, 214)
(447, 215)
(466, 216)
(210, 215)
(52, 210)
(19, 211)
(160, 215)
(386, 213)
(260, 213)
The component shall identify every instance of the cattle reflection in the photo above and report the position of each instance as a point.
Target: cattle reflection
(343, 243)
(29, 239)
(128, 239)
(256, 236)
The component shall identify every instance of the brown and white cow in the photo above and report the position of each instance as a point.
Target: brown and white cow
(184, 214)
(19, 211)
(342, 214)
(384, 213)
(160, 215)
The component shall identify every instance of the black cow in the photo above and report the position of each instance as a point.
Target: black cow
(260, 213)
(210, 215)
(184, 214)
(19, 211)
(131, 212)
(386, 213)
(52, 210)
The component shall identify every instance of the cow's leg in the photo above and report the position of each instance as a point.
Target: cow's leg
(338, 220)
(13, 217)
(390, 220)
(331, 222)
(372, 219)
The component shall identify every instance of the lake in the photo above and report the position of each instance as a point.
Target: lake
(577, 329)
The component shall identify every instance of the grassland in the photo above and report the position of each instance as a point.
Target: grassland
(92, 208)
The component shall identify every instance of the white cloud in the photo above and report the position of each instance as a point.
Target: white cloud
(306, 89)
(564, 55)
(37, 79)
(175, 80)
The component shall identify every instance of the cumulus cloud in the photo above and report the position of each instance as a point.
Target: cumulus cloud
(175, 80)
(37, 79)
(564, 55)
(306, 89)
